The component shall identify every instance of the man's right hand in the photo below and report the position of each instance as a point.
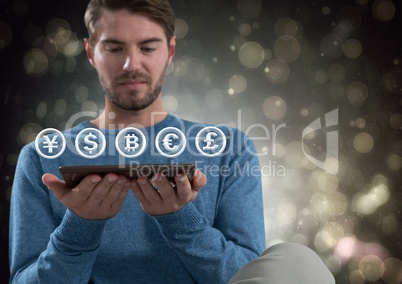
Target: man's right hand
(95, 198)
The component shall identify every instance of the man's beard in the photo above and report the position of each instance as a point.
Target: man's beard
(132, 102)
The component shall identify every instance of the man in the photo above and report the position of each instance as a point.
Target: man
(110, 229)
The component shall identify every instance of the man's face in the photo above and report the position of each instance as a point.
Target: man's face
(131, 55)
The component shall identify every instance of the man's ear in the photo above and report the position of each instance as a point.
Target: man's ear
(172, 48)
(89, 51)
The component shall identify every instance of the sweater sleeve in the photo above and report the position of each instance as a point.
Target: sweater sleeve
(213, 254)
(43, 249)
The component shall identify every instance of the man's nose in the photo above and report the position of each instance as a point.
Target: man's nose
(132, 62)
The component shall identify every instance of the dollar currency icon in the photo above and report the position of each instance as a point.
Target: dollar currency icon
(90, 143)
(89, 140)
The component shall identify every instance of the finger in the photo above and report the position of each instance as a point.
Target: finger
(55, 185)
(86, 186)
(114, 192)
(183, 186)
(101, 190)
(148, 190)
(199, 180)
(135, 188)
(165, 188)
(118, 203)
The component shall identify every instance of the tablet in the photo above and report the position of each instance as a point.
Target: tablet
(73, 175)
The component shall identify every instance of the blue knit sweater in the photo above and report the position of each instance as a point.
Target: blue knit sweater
(207, 241)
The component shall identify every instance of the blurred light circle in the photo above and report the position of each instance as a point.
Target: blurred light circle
(6, 34)
(327, 182)
(383, 10)
(363, 142)
(60, 107)
(348, 19)
(394, 162)
(277, 71)
(214, 99)
(81, 94)
(245, 29)
(360, 123)
(249, 8)
(393, 268)
(180, 68)
(286, 26)
(392, 81)
(35, 63)
(195, 70)
(238, 83)
(181, 28)
(331, 46)
(89, 106)
(57, 25)
(304, 112)
(28, 132)
(356, 277)
(251, 54)
(352, 48)
(294, 155)
(268, 54)
(287, 48)
(274, 108)
(326, 10)
(372, 267)
(357, 92)
(336, 73)
(321, 77)
(396, 121)
(170, 103)
(286, 214)
(41, 110)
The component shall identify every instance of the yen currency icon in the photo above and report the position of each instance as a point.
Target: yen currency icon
(50, 143)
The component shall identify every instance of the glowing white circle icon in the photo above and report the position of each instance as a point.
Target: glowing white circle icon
(130, 142)
(210, 141)
(170, 142)
(54, 143)
(90, 143)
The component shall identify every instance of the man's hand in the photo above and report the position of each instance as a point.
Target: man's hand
(95, 198)
(167, 199)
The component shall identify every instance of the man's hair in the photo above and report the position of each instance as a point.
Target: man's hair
(159, 10)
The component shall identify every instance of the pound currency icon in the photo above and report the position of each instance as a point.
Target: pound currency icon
(210, 141)
(130, 142)
(90, 143)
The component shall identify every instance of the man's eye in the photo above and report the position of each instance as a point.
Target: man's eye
(114, 49)
(147, 49)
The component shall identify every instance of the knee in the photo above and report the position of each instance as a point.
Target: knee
(299, 261)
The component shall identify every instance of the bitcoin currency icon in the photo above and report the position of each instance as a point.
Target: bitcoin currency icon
(170, 142)
(210, 141)
(130, 142)
(90, 143)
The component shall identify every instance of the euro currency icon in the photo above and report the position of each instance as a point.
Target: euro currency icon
(210, 141)
(89, 141)
(168, 143)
